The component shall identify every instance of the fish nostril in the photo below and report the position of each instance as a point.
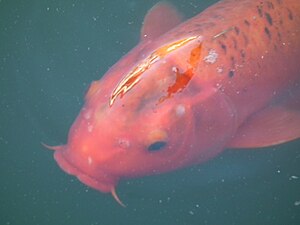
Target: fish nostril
(124, 143)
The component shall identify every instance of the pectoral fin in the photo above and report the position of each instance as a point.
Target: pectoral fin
(274, 125)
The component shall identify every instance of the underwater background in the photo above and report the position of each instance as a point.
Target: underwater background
(50, 51)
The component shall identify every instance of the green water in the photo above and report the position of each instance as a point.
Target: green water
(49, 53)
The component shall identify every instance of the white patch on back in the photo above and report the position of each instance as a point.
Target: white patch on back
(89, 160)
(87, 115)
(90, 128)
(211, 57)
(180, 110)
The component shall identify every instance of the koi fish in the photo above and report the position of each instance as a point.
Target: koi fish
(227, 78)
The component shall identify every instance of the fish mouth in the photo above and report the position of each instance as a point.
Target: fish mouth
(107, 184)
(103, 183)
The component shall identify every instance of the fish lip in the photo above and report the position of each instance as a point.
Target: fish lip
(105, 183)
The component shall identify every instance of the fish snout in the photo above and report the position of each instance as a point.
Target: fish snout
(98, 180)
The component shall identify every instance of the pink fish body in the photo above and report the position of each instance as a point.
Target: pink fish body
(227, 78)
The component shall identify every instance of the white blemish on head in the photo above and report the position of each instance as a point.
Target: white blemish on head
(220, 69)
(211, 57)
(180, 110)
(90, 160)
(174, 69)
(163, 61)
(90, 128)
(87, 115)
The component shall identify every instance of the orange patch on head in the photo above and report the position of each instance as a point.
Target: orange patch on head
(134, 76)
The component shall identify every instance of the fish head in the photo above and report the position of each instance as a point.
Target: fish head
(151, 120)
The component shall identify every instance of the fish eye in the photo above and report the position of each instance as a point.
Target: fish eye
(157, 146)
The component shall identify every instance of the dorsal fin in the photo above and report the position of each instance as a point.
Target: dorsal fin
(161, 18)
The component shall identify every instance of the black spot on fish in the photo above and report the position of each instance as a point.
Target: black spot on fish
(269, 18)
(275, 47)
(231, 73)
(223, 46)
(279, 36)
(279, 1)
(247, 22)
(291, 17)
(234, 43)
(270, 5)
(268, 33)
(237, 30)
(259, 11)
(243, 54)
